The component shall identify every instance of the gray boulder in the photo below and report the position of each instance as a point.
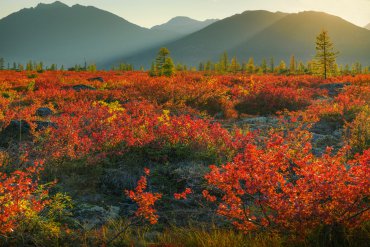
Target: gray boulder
(44, 112)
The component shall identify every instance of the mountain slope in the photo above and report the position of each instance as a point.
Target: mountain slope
(216, 38)
(296, 34)
(367, 26)
(183, 25)
(56, 33)
(263, 34)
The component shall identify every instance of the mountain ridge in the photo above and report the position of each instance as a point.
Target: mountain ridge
(289, 34)
(57, 33)
(62, 34)
(183, 25)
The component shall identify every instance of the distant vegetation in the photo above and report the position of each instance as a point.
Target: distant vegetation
(323, 64)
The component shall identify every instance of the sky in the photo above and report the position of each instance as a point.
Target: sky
(148, 13)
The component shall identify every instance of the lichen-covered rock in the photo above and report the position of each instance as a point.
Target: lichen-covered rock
(44, 112)
(96, 79)
(81, 87)
(16, 131)
(93, 216)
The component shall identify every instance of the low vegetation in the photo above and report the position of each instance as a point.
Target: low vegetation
(191, 159)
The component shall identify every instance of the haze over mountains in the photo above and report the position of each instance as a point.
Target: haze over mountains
(367, 26)
(183, 25)
(57, 33)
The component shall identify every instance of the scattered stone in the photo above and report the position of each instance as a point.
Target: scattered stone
(114, 181)
(334, 88)
(96, 79)
(81, 87)
(93, 216)
(41, 125)
(324, 127)
(17, 130)
(44, 112)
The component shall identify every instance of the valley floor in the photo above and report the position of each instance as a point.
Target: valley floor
(196, 159)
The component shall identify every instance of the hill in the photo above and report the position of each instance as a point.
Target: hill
(211, 41)
(263, 34)
(57, 33)
(183, 25)
(296, 34)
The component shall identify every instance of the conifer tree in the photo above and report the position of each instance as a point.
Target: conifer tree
(272, 65)
(153, 70)
(234, 66)
(250, 66)
(325, 54)
(301, 68)
(282, 67)
(264, 66)
(201, 66)
(29, 66)
(224, 62)
(161, 59)
(292, 67)
(169, 67)
(2, 63)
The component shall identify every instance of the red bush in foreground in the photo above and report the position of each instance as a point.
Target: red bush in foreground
(144, 200)
(283, 186)
(19, 194)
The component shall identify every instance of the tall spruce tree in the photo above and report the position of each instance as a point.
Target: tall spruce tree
(250, 66)
(234, 66)
(272, 65)
(292, 65)
(325, 54)
(2, 62)
(168, 67)
(161, 59)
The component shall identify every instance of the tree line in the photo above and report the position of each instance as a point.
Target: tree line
(323, 64)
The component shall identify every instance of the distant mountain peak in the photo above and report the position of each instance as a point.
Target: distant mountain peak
(51, 5)
(367, 26)
(183, 25)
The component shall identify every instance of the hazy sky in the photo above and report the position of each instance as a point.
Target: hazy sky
(151, 12)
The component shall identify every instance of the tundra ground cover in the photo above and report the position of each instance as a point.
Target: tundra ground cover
(192, 130)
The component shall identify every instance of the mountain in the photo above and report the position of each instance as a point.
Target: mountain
(214, 39)
(367, 26)
(263, 34)
(296, 34)
(183, 25)
(57, 33)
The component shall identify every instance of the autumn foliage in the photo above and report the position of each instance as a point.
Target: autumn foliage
(268, 179)
(19, 195)
(144, 200)
(283, 186)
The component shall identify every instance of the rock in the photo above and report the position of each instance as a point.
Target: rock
(44, 112)
(96, 79)
(41, 125)
(81, 87)
(93, 216)
(260, 123)
(17, 130)
(324, 127)
(334, 88)
(114, 181)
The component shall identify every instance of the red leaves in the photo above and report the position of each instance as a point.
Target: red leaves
(19, 194)
(275, 183)
(284, 187)
(208, 197)
(144, 200)
(183, 195)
